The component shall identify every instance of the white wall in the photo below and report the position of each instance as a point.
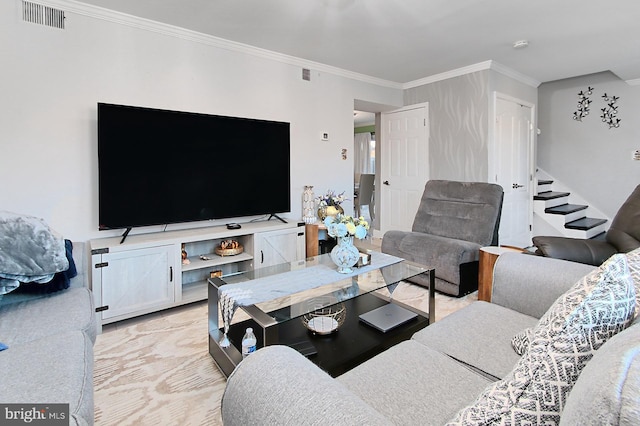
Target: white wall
(51, 81)
(588, 157)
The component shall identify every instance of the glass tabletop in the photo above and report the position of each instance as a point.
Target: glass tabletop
(338, 289)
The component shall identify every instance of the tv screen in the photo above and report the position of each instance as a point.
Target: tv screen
(161, 167)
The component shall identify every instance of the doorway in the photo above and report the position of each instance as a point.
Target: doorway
(364, 164)
(404, 168)
(513, 154)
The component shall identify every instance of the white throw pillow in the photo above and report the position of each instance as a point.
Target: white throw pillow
(633, 261)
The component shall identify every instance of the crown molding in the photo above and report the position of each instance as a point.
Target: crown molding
(633, 82)
(120, 18)
(481, 66)
(504, 70)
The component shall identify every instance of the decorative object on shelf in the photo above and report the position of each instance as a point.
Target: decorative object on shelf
(185, 259)
(329, 211)
(583, 104)
(229, 248)
(216, 273)
(326, 315)
(364, 260)
(610, 112)
(329, 204)
(344, 228)
(308, 205)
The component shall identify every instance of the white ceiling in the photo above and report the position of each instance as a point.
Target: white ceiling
(406, 40)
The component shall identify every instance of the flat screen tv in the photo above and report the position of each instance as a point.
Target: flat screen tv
(160, 167)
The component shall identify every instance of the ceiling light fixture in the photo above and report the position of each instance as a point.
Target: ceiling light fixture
(520, 44)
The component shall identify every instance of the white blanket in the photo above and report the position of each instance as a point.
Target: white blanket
(30, 251)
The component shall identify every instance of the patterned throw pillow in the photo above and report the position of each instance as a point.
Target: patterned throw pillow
(633, 260)
(598, 306)
(520, 341)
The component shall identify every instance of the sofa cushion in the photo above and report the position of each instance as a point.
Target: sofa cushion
(34, 319)
(531, 284)
(597, 307)
(55, 369)
(467, 211)
(607, 390)
(290, 391)
(412, 384)
(444, 254)
(478, 335)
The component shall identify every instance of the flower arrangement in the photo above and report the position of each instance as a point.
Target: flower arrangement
(346, 226)
(331, 199)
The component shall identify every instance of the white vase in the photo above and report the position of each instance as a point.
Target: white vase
(345, 255)
(308, 205)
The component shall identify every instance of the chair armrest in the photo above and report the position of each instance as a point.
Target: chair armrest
(530, 284)
(276, 385)
(591, 252)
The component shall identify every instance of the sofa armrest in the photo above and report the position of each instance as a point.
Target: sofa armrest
(530, 284)
(591, 252)
(81, 258)
(277, 385)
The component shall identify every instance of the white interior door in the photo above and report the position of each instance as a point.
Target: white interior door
(404, 166)
(514, 142)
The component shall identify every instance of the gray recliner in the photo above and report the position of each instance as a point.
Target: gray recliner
(454, 220)
(622, 237)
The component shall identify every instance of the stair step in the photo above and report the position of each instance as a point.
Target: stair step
(565, 209)
(585, 223)
(544, 182)
(550, 195)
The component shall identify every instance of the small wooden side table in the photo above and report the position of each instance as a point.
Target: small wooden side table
(311, 237)
(488, 257)
(314, 232)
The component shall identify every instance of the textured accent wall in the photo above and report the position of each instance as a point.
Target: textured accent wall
(458, 120)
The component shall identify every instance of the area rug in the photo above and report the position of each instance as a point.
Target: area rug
(156, 370)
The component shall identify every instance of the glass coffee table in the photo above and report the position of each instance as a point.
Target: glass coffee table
(286, 320)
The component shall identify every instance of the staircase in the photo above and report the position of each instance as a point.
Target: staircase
(570, 220)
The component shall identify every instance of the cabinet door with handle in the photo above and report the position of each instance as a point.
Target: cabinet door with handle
(135, 282)
(276, 247)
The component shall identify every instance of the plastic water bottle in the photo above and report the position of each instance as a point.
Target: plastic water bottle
(249, 342)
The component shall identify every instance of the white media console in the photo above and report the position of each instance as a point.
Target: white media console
(145, 273)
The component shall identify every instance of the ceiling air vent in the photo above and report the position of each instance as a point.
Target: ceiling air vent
(306, 74)
(42, 15)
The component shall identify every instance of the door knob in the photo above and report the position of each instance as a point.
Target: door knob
(386, 182)
(516, 186)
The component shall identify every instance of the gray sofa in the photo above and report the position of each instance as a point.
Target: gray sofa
(50, 346)
(428, 379)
